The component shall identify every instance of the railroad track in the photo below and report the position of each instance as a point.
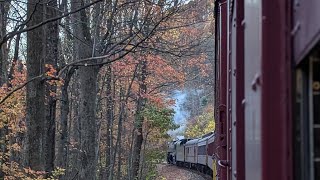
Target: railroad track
(205, 176)
(173, 172)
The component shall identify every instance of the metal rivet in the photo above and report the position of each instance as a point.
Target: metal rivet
(243, 23)
(255, 82)
(296, 28)
(243, 102)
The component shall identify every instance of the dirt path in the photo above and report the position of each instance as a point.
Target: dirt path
(171, 172)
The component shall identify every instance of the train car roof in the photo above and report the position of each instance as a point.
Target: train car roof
(204, 139)
(207, 135)
(182, 141)
(193, 141)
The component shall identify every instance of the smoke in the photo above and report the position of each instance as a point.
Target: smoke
(180, 116)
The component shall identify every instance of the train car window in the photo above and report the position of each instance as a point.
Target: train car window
(315, 110)
(301, 125)
(307, 119)
(202, 150)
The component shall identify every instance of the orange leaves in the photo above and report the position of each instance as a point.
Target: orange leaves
(12, 171)
(50, 70)
(54, 80)
(33, 172)
(51, 73)
(13, 110)
(199, 65)
(12, 113)
(162, 73)
(124, 67)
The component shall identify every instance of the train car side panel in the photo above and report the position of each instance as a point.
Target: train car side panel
(306, 27)
(276, 90)
(180, 152)
(191, 152)
(231, 94)
(202, 153)
(221, 139)
(252, 73)
(232, 86)
(240, 155)
(210, 150)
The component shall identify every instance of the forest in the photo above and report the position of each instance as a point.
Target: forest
(94, 89)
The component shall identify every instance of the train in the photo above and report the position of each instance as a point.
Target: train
(267, 90)
(193, 153)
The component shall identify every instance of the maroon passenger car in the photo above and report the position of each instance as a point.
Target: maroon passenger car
(267, 89)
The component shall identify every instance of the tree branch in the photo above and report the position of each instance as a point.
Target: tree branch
(13, 33)
(19, 87)
(43, 77)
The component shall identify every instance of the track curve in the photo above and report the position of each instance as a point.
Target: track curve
(172, 172)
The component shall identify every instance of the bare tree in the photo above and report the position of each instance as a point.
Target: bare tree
(141, 102)
(36, 89)
(4, 8)
(88, 95)
(51, 31)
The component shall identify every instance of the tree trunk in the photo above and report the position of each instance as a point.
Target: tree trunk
(51, 58)
(119, 175)
(139, 119)
(73, 147)
(109, 116)
(64, 112)
(3, 146)
(119, 133)
(35, 108)
(14, 61)
(88, 95)
(88, 80)
(3, 61)
(143, 164)
(4, 7)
